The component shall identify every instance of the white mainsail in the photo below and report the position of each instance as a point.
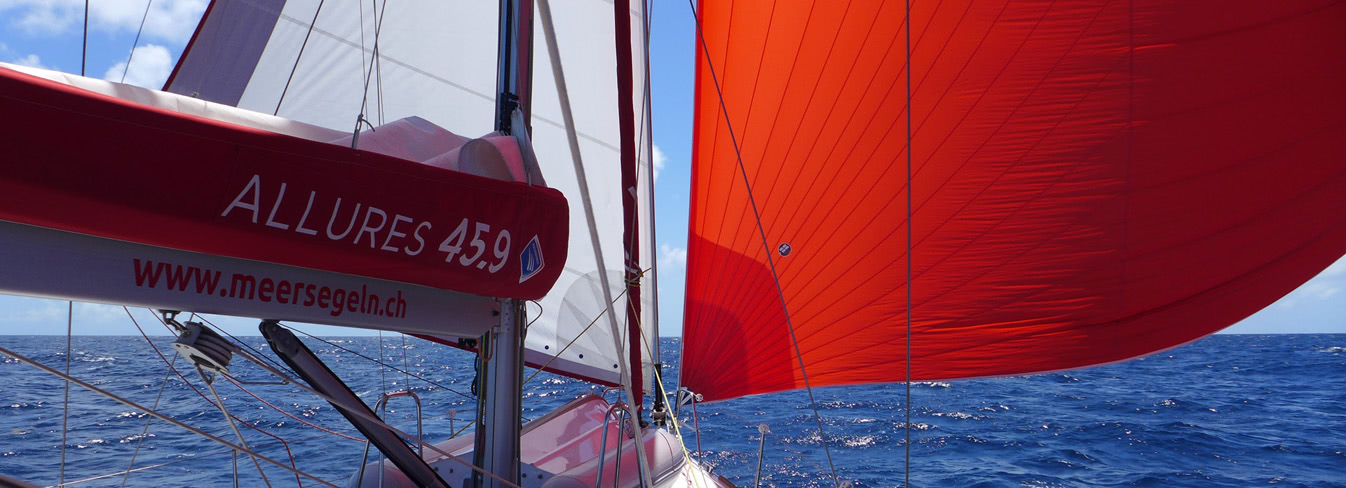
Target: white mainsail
(313, 61)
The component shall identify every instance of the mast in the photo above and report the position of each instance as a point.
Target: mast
(501, 351)
(514, 72)
(656, 386)
(631, 232)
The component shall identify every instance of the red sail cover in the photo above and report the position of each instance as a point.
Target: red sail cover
(1093, 181)
(88, 163)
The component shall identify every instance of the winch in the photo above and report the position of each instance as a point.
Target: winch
(203, 346)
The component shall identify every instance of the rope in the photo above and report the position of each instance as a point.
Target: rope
(419, 377)
(298, 57)
(378, 60)
(290, 415)
(228, 417)
(362, 34)
(677, 432)
(766, 245)
(144, 432)
(65, 405)
(301, 386)
(236, 340)
(131, 56)
(544, 8)
(906, 466)
(198, 392)
(369, 73)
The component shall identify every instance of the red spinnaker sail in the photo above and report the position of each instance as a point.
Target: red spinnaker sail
(1093, 181)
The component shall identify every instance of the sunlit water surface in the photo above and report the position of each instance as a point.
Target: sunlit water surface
(1228, 410)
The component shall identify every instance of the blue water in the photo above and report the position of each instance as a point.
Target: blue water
(1229, 410)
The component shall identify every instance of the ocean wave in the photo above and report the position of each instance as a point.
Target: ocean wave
(1185, 418)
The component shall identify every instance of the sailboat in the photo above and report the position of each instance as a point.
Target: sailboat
(400, 225)
(881, 192)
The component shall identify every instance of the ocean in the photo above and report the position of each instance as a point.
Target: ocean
(1227, 410)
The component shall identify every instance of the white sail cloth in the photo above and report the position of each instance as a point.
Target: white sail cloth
(437, 61)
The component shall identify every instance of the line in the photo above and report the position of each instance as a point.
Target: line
(906, 467)
(822, 435)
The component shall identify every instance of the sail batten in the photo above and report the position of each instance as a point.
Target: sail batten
(1092, 181)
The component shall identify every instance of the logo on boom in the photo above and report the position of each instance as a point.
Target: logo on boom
(530, 260)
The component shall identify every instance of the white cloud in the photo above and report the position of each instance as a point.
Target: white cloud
(659, 160)
(150, 67)
(30, 60)
(672, 256)
(169, 20)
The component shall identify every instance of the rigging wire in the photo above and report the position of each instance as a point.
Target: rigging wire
(549, 29)
(198, 392)
(228, 417)
(765, 244)
(145, 432)
(369, 73)
(299, 56)
(378, 60)
(338, 346)
(157, 414)
(383, 380)
(358, 413)
(405, 368)
(288, 414)
(361, 5)
(221, 404)
(84, 57)
(178, 461)
(132, 55)
(65, 405)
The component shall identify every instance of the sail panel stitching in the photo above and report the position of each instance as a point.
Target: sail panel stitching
(822, 435)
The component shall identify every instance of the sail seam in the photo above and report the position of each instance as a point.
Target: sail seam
(906, 425)
(822, 435)
(877, 274)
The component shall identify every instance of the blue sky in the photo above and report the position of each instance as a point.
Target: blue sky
(47, 33)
